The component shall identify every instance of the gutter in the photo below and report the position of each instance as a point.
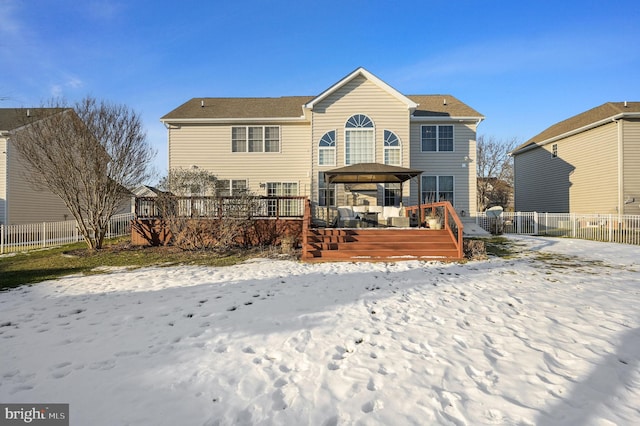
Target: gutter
(446, 118)
(302, 118)
(598, 123)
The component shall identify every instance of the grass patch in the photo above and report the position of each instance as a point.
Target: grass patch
(18, 269)
(500, 247)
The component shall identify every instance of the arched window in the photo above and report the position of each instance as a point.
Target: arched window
(327, 149)
(359, 121)
(392, 152)
(359, 140)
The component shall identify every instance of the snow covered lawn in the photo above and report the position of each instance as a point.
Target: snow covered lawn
(549, 337)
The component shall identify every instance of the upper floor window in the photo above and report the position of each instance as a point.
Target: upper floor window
(255, 139)
(554, 150)
(437, 138)
(392, 154)
(327, 149)
(359, 140)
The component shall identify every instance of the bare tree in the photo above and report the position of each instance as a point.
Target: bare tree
(90, 155)
(495, 171)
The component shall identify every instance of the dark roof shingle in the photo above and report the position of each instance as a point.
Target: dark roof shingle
(594, 115)
(12, 118)
(283, 107)
(291, 107)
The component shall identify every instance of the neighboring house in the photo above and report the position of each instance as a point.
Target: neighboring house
(589, 163)
(282, 146)
(20, 201)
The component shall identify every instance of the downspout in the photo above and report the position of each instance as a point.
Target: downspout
(620, 207)
(168, 127)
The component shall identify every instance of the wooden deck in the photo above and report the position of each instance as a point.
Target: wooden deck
(384, 244)
(372, 244)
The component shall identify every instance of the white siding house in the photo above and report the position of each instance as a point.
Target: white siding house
(585, 164)
(20, 200)
(282, 146)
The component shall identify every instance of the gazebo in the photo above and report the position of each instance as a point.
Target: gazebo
(367, 173)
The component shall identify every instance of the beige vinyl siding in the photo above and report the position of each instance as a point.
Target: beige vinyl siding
(631, 164)
(359, 96)
(27, 203)
(582, 179)
(208, 146)
(449, 163)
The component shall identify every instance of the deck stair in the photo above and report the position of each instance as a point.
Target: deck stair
(379, 244)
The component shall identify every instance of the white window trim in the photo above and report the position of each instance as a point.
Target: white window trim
(359, 129)
(297, 183)
(438, 187)
(331, 187)
(334, 148)
(437, 126)
(384, 147)
(246, 182)
(264, 135)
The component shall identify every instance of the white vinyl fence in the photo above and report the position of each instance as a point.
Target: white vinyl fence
(31, 236)
(598, 227)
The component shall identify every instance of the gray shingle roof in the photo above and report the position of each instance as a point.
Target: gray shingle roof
(442, 106)
(283, 107)
(291, 107)
(12, 118)
(602, 112)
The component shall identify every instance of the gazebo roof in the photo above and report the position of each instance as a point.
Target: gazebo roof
(370, 173)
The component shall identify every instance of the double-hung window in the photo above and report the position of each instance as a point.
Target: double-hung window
(437, 138)
(229, 187)
(437, 188)
(392, 156)
(392, 153)
(327, 149)
(359, 140)
(255, 139)
(326, 192)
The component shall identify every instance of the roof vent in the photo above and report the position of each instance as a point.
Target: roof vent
(625, 104)
(444, 101)
(202, 103)
(28, 113)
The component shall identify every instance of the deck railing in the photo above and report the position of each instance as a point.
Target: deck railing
(258, 207)
(15, 238)
(445, 213)
(597, 227)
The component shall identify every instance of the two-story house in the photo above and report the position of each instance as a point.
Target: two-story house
(22, 202)
(586, 164)
(283, 146)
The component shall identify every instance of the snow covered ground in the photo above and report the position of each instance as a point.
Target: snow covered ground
(551, 337)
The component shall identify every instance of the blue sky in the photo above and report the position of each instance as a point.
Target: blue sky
(524, 65)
